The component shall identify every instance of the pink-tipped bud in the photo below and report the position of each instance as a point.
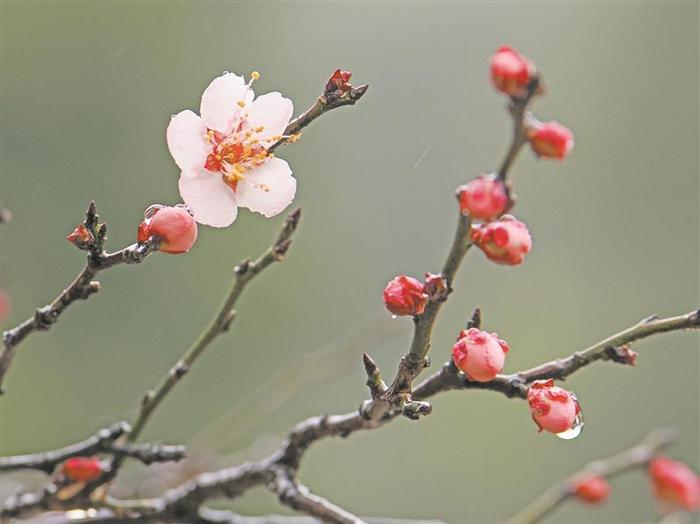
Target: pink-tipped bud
(484, 198)
(338, 82)
(479, 355)
(405, 296)
(590, 489)
(675, 485)
(173, 226)
(511, 72)
(553, 409)
(551, 140)
(505, 241)
(81, 237)
(82, 469)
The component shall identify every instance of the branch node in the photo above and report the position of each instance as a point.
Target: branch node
(242, 268)
(45, 317)
(415, 409)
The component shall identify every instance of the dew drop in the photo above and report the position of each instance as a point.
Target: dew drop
(151, 210)
(575, 430)
(394, 317)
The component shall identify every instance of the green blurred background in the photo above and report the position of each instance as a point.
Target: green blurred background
(87, 91)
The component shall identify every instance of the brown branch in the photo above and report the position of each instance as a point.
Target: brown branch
(47, 461)
(322, 105)
(103, 442)
(298, 497)
(612, 348)
(80, 289)
(233, 482)
(398, 395)
(635, 457)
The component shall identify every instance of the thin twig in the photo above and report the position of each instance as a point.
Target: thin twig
(518, 110)
(244, 272)
(635, 457)
(80, 289)
(322, 105)
(612, 348)
(47, 461)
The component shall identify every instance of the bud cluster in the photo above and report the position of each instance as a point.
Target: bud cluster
(503, 239)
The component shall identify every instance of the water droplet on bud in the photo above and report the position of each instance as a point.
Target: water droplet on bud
(394, 317)
(575, 430)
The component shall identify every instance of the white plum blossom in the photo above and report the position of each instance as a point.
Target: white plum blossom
(223, 154)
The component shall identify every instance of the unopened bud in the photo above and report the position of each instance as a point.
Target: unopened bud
(479, 355)
(82, 469)
(505, 241)
(405, 295)
(174, 227)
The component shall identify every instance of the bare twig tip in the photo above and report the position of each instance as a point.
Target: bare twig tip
(370, 365)
(475, 320)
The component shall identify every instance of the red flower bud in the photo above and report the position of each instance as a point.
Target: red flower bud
(82, 469)
(505, 241)
(553, 409)
(479, 355)
(675, 484)
(590, 489)
(484, 198)
(511, 72)
(81, 237)
(5, 304)
(338, 82)
(551, 140)
(173, 226)
(405, 296)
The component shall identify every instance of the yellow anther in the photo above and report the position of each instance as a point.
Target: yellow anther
(254, 75)
(293, 138)
(239, 169)
(259, 129)
(241, 103)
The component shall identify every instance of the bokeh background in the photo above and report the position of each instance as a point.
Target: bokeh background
(87, 91)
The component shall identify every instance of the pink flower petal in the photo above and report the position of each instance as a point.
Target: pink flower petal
(186, 141)
(267, 189)
(271, 112)
(211, 201)
(220, 101)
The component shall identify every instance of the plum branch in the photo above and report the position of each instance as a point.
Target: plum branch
(330, 100)
(102, 442)
(233, 482)
(83, 286)
(634, 457)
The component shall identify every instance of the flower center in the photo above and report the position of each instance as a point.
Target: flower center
(241, 149)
